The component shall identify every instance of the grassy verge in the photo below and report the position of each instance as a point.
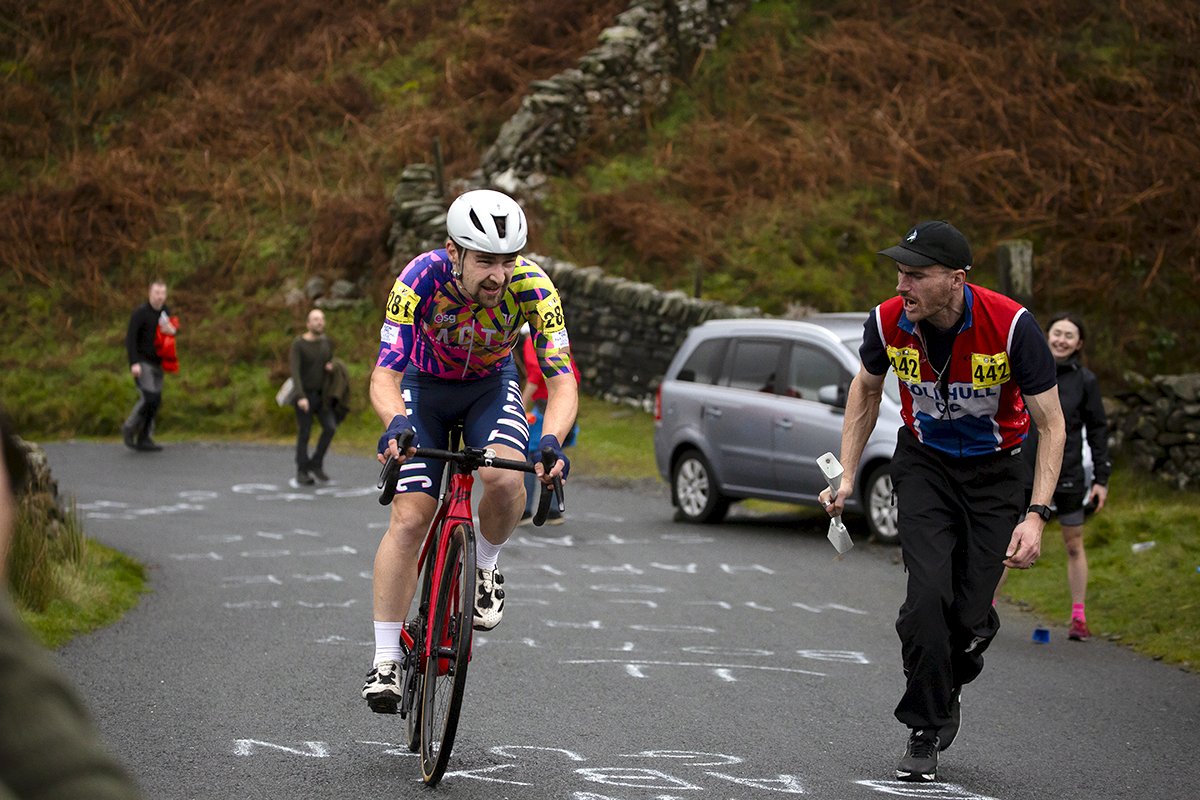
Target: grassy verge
(63, 583)
(1147, 600)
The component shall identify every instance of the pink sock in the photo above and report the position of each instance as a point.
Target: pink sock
(1077, 612)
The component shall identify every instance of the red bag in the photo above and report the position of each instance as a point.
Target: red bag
(164, 345)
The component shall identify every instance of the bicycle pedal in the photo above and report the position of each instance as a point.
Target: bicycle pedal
(384, 705)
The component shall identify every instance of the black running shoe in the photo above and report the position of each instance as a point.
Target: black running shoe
(920, 757)
(948, 732)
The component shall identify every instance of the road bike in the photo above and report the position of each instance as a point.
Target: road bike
(437, 641)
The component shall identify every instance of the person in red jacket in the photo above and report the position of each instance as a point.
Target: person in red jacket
(146, 366)
(534, 395)
(973, 368)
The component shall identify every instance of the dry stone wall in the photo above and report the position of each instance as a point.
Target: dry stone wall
(1157, 421)
(629, 72)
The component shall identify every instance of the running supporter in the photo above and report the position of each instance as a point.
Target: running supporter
(973, 368)
(451, 322)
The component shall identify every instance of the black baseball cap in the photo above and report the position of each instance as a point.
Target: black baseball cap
(930, 243)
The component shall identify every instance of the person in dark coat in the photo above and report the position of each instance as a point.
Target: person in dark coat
(1074, 496)
(311, 362)
(146, 366)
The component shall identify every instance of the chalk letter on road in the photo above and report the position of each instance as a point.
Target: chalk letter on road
(246, 747)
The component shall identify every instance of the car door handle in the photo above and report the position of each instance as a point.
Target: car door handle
(784, 423)
(712, 411)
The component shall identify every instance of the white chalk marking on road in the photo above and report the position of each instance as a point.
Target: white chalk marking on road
(328, 576)
(733, 569)
(632, 588)
(265, 553)
(727, 651)
(720, 603)
(941, 791)
(528, 601)
(687, 754)
(287, 497)
(198, 494)
(725, 675)
(649, 603)
(692, 664)
(595, 624)
(539, 541)
(254, 488)
(293, 532)
(672, 628)
(687, 538)
(614, 539)
(533, 587)
(480, 775)
(256, 604)
(823, 606)
(629, 569)
(634, 777)
(196, 556)
(625, 648)
(754, 605)
(346, 604)
(249, 580)
(538, 567)
(100, 504)
(503, 750)
(690, 569)
(221, 538)
(634, 671)
(844, 656)
(788, 784)
(331, 551)
(246, 747)
(393, 749)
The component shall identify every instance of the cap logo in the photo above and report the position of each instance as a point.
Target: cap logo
(912, 236)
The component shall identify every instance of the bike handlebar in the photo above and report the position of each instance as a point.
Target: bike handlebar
(473, 458)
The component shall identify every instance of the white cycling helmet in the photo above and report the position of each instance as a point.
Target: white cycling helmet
(487, 221)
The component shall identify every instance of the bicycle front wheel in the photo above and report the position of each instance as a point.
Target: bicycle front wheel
(450, 625)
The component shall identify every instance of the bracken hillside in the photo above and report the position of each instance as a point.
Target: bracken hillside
(229, 146)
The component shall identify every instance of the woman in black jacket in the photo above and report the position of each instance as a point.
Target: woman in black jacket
(1079, 394)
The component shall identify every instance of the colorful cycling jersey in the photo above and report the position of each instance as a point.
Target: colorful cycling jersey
(431, 324)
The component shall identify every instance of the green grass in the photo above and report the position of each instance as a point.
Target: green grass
(92, 593)
(1148, 600)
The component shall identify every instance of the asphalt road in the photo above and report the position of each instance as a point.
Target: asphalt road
(639, 658)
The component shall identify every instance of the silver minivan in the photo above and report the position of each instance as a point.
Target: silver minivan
(748, 405)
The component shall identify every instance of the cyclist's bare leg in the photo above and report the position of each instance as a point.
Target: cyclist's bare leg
(503, 498)
(395, 575)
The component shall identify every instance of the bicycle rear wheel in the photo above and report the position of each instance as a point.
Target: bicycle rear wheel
(450, 625)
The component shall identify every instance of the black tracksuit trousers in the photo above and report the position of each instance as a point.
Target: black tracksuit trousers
(956, 517)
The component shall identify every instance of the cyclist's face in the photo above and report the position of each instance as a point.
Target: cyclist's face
(485, 276)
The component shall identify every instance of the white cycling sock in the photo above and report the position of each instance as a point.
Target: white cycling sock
(387, 642)
(486, 553)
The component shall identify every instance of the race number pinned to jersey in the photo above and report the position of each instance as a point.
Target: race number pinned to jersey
(989, 370)
(551, 311)
(402, 304)
(907, 363)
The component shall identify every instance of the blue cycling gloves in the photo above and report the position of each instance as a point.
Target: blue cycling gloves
(399, 425)
(551, 441)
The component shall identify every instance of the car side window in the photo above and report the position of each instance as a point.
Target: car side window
(811, 368)
(704, 364)
(753, 365)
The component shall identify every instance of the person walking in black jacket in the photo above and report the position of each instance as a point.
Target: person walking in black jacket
(145, 365)
(311, 359)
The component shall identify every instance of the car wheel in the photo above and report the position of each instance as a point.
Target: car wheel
(880, 507)
(695, 490)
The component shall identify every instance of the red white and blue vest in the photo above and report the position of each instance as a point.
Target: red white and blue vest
(981, 410)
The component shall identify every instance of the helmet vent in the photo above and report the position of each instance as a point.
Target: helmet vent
(475, 221)
(501, 224)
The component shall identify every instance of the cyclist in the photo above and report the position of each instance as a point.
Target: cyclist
(452, 319)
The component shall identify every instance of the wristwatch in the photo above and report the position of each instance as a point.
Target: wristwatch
(1040, 510)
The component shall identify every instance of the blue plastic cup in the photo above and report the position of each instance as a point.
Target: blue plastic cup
(1041, 636)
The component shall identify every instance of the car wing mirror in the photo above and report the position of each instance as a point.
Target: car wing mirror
(832, 395)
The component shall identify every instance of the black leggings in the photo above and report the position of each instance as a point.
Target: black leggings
(956, 518)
